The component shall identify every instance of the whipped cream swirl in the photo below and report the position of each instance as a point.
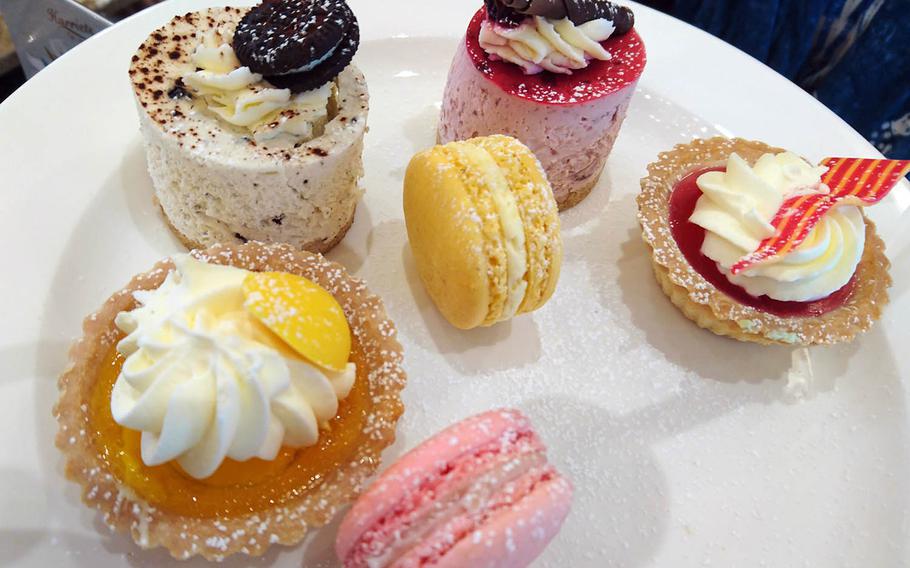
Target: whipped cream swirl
(736, 210)
(242, 98)
(539, 44)
(203, 380)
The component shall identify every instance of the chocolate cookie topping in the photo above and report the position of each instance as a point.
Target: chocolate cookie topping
(579, 11)
(179, 90)
(298, 44)
(325, 71)
(502, 14)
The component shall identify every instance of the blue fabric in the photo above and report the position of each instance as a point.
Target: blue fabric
(853, 55)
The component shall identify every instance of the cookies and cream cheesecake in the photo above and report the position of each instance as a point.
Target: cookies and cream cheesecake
(253, 122)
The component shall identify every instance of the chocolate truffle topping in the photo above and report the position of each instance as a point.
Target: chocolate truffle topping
(579, 11)
(298, 44)
(502, 14)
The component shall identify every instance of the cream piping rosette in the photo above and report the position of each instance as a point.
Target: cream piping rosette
(539, 44)
(243, 99)
(736, 209)
(204, 380)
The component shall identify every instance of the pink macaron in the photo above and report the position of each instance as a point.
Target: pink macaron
(480, 493)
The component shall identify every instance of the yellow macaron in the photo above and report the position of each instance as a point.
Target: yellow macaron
(484, 229)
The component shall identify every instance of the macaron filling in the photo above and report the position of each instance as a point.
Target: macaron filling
(516, 252)
(532, 192)
(513, 230)
(470, 525)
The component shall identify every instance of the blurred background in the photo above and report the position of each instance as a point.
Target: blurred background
(852, 55)
(12, 74)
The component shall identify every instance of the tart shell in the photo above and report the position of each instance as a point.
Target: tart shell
(712, 309)
(216, 538)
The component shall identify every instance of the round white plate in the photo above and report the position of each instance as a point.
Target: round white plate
(686, 449)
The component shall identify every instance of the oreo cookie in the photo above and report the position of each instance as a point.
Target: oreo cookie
(297, 44)
(325, 71)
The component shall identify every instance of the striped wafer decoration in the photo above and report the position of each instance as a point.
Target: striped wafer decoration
(852, 181)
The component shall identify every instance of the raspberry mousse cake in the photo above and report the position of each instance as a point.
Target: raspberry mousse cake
(253, 121)
(556, 74)
(230, 399)
(755, 243)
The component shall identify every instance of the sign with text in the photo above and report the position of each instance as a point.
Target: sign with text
(43, 30)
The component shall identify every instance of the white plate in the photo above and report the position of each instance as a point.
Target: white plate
(686, 449)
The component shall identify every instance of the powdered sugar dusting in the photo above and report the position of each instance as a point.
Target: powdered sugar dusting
(678, 443)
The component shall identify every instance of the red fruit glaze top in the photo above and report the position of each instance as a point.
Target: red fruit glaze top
(597, 80)
(689, 237)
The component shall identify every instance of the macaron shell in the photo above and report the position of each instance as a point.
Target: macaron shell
(455, 237)
(514, 537)
(539, 214)
(426, 461)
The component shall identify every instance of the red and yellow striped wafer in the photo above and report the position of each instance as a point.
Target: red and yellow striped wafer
(852, 181)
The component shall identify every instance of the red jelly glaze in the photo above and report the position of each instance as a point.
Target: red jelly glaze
(689, 237)
(598, 79)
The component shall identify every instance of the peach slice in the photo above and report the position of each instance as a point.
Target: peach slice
(303, 314)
